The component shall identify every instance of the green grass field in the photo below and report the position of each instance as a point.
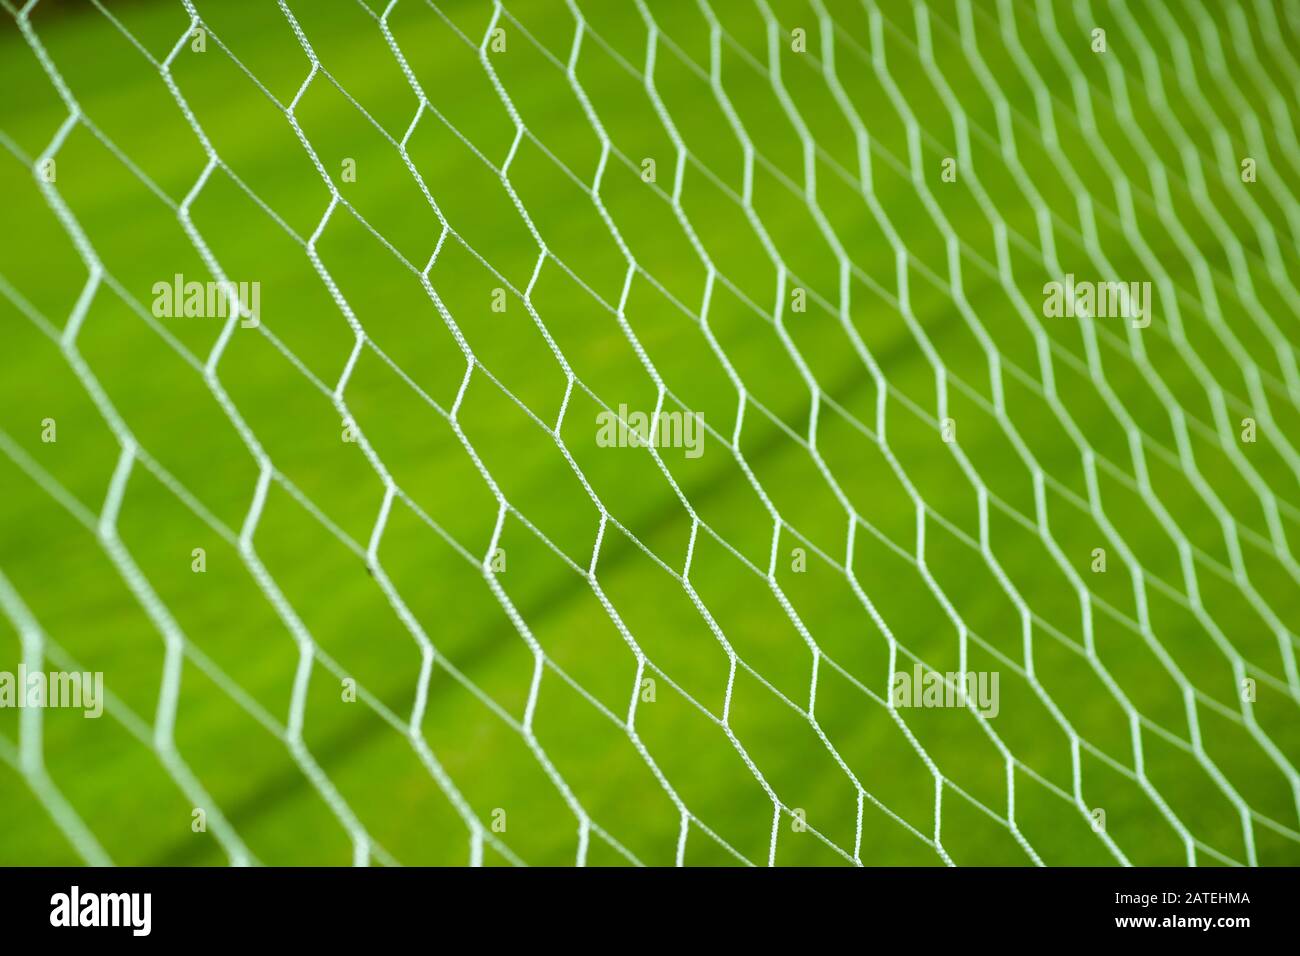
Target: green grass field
(672, 658)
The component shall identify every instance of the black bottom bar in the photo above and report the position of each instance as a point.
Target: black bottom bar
(441, 907)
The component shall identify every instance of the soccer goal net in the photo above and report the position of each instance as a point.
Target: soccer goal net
(653, 433)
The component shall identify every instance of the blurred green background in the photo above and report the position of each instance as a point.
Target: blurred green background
(776, 170)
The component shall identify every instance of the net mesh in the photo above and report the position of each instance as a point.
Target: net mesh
(1241, 300)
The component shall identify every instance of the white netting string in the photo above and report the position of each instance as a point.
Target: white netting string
(1264, 390)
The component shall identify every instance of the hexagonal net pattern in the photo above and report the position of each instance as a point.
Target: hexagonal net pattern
(846, 129)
